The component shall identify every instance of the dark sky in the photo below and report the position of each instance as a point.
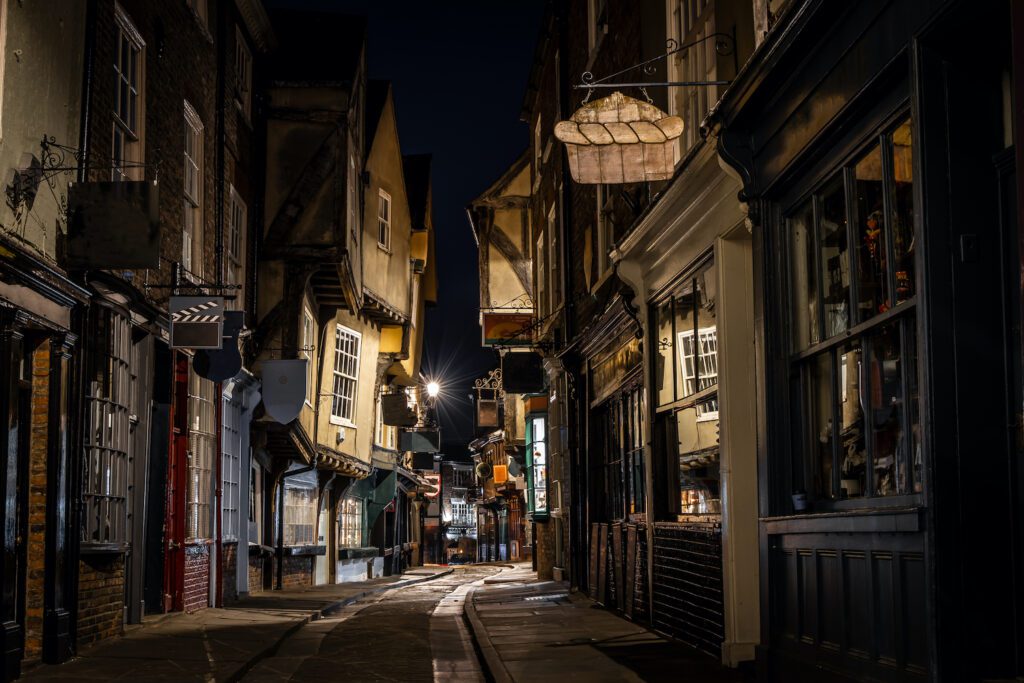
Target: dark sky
(459, 69)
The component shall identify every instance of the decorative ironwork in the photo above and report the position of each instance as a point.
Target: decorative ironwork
(725, 45)
(522, 302)
(491, 382)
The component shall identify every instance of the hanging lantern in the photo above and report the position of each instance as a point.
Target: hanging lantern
(619, 139)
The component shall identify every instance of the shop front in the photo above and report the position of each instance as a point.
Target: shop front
(886, 258)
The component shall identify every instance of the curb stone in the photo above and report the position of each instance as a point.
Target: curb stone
(495, 668)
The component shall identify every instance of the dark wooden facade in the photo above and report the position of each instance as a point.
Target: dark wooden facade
(883, 583)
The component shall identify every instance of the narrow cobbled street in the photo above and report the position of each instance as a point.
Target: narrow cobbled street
(414, 633)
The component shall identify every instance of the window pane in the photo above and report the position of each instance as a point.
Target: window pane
(805, 281)
(686, 348)
(819, 418)
(872, 284)
(699, 466)
(835, 258)
(903, 211)
(707, 332)
(664, 362)
(887, 412)
(852, 453)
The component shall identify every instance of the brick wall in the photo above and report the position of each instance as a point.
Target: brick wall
(298, 572)
(197, 577)
(255, 574)
(37, 502)
(229, 575)
(545, 537)
(100, 597)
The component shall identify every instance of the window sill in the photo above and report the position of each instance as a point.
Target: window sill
(386, 250)
(358, 553)
(103, 548)
(342, 422)
(893, 520)
(305, 550)
(257, 550)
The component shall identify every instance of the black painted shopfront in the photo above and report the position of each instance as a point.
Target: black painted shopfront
(876, 149)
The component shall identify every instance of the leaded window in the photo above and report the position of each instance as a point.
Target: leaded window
(108, 438)
(231, 468)
(350, 523)
(202, 452)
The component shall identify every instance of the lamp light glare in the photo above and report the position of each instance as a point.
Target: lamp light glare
(433, 389)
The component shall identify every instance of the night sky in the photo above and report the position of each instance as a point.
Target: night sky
(459, 69)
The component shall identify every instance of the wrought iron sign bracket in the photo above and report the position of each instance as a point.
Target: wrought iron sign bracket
(725, 44)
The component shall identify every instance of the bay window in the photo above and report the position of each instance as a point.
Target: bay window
(853, 322)
(300, 508)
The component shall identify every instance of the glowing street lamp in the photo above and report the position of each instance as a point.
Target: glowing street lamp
(433, 389)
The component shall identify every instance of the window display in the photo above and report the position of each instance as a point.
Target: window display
(859, 391)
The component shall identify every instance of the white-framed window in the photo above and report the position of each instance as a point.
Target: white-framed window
(700, 361)
(597, 22)
(231, 468)
(243, 74)
(235, 263)
(350, 523)
(308, 344)
(199, 8)
(384, 220)
(192, 229)
(202, 450)
(129, 99)
(346, 375)
(300, 509)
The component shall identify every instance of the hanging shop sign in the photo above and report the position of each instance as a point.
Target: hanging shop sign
(220, 365)
(507, 329)
(523, 373)
(113, 225)
(284, 388)
(197, 322)
(620, 139)
(395, 410)
(420, 440)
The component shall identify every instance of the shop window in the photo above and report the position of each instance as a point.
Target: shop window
(202, 450)
(856, 375)
(686, 377)
(231, 468)
(350, 523)
(621, 424)
(108, 438)
(300, 499)
(537, 453)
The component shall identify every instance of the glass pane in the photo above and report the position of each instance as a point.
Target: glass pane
(835, 258)
(852, 452)
(887, 412)
(872, 285)
(664, 381)
(903, 211)
(805, 281)
(707, 332)
(916, 465)
(686, 348)
(699, 466)
(819, 419)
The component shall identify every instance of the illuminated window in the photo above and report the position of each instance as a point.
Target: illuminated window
(300, 499)
(350, 523)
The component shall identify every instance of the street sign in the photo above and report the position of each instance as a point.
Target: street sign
(197, 322)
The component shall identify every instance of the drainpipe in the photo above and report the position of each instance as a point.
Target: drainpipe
(280, 517)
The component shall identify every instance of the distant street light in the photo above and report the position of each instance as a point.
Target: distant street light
(433, 389)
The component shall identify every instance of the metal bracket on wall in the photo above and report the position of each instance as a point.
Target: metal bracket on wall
(725, 44)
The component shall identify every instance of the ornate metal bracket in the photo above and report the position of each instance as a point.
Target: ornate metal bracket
(725, 45)
(492, 383)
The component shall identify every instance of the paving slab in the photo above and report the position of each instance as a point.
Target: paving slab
(221, 644)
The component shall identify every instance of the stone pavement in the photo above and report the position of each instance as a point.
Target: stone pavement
(217, 644)
(537, 631)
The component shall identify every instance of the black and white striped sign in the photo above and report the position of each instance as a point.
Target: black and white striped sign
(197, 322)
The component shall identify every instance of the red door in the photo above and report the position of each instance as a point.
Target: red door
(177, 472)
